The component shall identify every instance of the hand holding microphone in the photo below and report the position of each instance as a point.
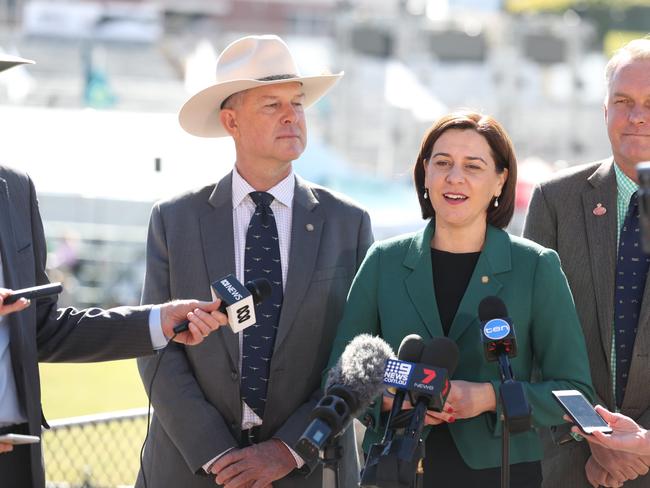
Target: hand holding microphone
(237, 301)
(233, 305)
(205, 318)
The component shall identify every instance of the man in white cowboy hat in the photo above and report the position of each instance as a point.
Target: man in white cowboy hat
(42, 332)
(233, 409)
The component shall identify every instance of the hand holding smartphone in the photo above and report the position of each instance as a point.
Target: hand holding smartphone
(581, 411)
(34, 292)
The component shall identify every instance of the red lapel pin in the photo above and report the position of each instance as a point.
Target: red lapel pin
(599, 210)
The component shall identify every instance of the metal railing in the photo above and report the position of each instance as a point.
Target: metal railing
(94, 451)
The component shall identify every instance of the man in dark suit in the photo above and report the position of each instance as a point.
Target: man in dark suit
(589, 215)
(42, 332)
(235, 406)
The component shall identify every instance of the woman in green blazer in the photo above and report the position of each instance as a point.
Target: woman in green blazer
(430, 283)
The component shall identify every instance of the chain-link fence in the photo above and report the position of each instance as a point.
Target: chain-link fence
(94, 451)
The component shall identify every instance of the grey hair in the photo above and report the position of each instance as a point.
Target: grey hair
(635, 50)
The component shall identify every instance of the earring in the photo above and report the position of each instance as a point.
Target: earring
(425, 195)
(496, 201)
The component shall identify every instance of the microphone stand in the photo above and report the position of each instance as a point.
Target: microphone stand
(330, 456)
(516, 413)
(505, 370)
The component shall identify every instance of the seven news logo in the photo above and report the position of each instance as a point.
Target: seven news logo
(430, 375)
(496, 329)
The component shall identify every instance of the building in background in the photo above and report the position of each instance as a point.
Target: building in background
(534, 64)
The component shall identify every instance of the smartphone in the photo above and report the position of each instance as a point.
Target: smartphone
(581, 412)
(19, 439)
(34, 292)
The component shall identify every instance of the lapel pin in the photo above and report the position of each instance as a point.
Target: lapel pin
(599, 210)
(485, 279)
(309, 227)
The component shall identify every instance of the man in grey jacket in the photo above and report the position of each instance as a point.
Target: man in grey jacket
(39, 331)
(246, 397)
(589, 215)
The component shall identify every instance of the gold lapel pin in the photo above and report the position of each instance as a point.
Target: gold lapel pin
(599, 210)
(309, 227)
(485, 279)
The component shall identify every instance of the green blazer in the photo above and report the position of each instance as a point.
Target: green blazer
(392, 296)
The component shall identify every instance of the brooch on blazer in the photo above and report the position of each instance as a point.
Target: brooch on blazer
(599, 210)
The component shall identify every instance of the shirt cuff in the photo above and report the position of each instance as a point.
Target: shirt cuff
(208, 465)
(158, 339)
(300, 462)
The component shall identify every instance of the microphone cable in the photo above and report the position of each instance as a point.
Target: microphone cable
(153, 377)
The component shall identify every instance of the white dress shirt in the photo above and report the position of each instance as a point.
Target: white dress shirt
(243, 208)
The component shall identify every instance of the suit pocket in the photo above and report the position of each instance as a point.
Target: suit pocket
(23, 247)
(329, 273)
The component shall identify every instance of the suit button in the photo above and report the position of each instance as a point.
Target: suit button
(234, 375)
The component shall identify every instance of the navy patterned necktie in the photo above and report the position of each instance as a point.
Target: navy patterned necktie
(631, 271)
(261, 260)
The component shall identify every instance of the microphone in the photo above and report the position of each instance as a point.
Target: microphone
(410, 350)
(352, 384)
(237, 301)
(498, 334)
(394, 461)
(500, 344)
(430, 388)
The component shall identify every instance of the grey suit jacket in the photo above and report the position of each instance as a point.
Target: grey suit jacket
(561, 217)
(41, 332)
(196, 397)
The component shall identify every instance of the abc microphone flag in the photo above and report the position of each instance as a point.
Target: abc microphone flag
(237, 301)
(240, 306)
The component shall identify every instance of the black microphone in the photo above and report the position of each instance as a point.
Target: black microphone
(498, 334)
(394, 461)
(352, 384)
(500, 344)
(431, 388)
(410, 350)
(237, 301)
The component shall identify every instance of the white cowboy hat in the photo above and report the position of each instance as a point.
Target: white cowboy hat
(246, 63)
(8, 61)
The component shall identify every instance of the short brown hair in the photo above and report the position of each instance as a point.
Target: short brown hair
(502, 152)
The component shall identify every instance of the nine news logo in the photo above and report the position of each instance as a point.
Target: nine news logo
(397, 373)
(496, 329)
